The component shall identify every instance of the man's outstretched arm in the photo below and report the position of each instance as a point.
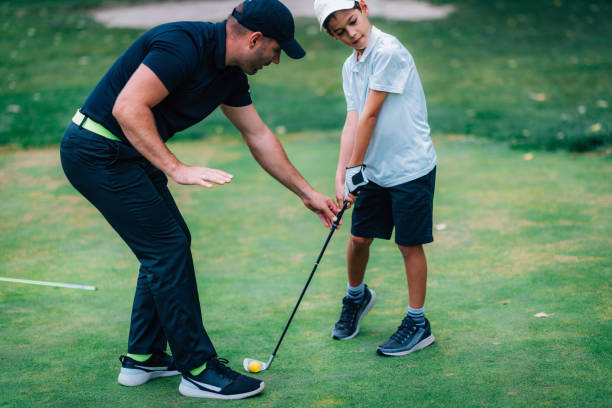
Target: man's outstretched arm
(270, 155)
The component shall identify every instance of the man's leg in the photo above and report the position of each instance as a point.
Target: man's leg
(134, 199)
(113, 178)
(146, 333)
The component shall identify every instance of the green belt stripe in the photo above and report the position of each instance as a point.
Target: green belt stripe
(92, 126)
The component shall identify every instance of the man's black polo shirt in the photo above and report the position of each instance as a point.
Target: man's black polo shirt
(189, 58)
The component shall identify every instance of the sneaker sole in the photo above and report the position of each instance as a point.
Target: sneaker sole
(365, 312)
(420, 345)
(132, 377)
(189, 390)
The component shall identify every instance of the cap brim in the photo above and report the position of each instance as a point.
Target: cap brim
(293, 49)
(324, 9)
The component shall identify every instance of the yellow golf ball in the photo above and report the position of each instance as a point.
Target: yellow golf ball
(254, 366)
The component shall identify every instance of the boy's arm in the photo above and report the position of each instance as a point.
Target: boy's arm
(358, 138)
(365, 127)
(347, 143)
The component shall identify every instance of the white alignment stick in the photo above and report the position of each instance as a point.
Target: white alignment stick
(58, 284)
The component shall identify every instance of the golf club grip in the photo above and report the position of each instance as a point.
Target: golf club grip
(339, 215)
(331, 232)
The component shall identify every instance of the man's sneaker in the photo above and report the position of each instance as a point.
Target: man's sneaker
(409, 337)
(137, 373)
(219, 381)
(347, 326)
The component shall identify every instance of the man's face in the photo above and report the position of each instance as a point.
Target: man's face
(264, 51)
(351, 27)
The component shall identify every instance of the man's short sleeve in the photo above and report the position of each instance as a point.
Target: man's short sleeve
(390, 69)
(241, 92)
(173, 57)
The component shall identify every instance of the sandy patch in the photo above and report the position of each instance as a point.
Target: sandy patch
(150, 15)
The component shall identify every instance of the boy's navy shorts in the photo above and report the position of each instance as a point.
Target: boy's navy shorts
(408, 207)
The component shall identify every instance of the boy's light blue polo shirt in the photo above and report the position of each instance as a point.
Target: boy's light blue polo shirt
(400, 149)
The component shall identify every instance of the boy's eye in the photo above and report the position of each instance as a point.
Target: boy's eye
(353, 21)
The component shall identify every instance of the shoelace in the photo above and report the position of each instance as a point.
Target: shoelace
(404, 330)
(220, 367)
(349, 311)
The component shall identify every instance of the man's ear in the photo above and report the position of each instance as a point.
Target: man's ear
(254, 38)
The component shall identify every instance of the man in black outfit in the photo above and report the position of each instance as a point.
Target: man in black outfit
(114, 153)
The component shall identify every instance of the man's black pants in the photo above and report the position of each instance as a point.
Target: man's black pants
(134, 198)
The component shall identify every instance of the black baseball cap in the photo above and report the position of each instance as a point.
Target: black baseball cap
(274, 20)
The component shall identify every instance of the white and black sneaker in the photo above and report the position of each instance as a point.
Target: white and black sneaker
(219, 381)
(135, 373)
(409, 337)
(347, 325)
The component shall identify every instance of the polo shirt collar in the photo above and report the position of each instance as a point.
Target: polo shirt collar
(371, 44)
(220, 44)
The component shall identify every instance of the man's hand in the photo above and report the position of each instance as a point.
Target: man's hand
(354, 179)
(202, 176)
(323, 206)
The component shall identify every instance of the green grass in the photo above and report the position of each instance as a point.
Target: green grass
(522, 237)
(533, 74)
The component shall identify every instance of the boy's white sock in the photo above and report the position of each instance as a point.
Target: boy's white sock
(356, 293)
(417, 315)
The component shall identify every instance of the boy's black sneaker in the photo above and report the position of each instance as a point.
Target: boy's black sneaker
(347, 326)
(137, 373)
(219, 381)
(409, 337)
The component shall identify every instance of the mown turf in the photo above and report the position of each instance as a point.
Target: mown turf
(530, 73)
(522, 237)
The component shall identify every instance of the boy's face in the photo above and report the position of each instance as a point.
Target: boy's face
(352, 27)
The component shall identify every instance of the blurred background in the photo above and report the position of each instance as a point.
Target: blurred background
(534, 74)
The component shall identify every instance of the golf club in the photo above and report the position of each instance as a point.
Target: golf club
(254, 366)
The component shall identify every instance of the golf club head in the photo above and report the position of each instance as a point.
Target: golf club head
(246, 364)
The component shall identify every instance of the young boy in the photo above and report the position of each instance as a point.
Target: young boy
(385, 153)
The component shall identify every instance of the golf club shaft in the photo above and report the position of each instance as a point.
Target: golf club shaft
(331, 232)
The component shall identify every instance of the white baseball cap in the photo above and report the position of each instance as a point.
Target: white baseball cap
(323, 8)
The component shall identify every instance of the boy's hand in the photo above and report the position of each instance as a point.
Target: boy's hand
(354, 179)
(340, 195)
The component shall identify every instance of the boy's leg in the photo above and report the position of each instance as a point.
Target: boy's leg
(415, 263)
(412, 208)
(359, 299)
(414, 333)
(357, 256)
(371, 219)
